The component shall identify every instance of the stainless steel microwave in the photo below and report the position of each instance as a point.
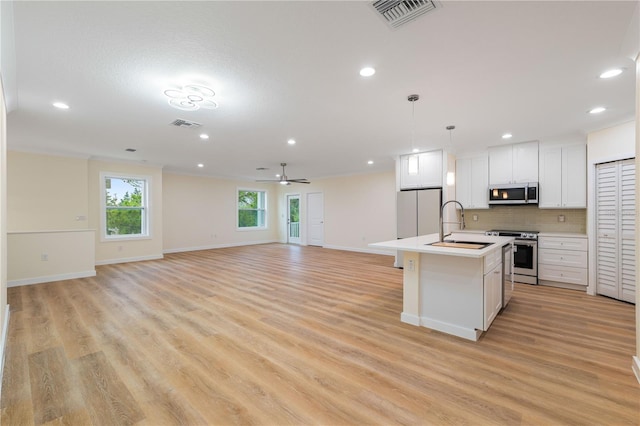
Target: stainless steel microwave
(514, 193)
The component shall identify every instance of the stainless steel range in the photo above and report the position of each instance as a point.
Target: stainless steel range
(525, 254)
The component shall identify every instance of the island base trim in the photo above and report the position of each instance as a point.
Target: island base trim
(410, 319)
(456, 330)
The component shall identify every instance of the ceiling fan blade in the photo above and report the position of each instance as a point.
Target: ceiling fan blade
(298, 180)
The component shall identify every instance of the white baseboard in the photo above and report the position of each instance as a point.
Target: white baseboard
(465, 333)
(3, 343)
(129, 259)
(635, 366)
(217, 246)
(410, 319)
(50, 278)
(362, 250)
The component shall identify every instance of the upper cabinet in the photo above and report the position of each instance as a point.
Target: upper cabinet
(563, 176)
(421, 170)
(517, 163)
(472, 182)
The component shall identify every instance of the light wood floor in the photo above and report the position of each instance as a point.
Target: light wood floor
(278, 334)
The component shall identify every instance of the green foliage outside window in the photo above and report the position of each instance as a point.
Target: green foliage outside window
(125, 215)
(251, 209)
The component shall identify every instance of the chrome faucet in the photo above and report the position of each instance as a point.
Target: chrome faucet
(461, 223)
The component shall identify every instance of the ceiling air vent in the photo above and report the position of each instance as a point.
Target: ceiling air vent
(398, 12)
(185, 123)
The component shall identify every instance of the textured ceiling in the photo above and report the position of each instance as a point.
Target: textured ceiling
(290, 70)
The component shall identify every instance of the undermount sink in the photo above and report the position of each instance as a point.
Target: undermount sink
(473, 245)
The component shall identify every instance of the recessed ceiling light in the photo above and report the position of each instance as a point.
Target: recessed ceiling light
(367, 71)
(200, 165)
(370, 162)
(60, 105)
(291, 141)
(204, 136)
(507, 136)
(612, 73)
(415, 150)
(277, 175)
(597, 110)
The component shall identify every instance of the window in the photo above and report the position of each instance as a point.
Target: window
(252, 209)
(126, 212)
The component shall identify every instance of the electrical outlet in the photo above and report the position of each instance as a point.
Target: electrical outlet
(411, 266)
(44, 257)
(561, 218)
(81, 218)
(475, 217)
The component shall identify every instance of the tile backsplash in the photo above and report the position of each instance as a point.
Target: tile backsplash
(528, 218)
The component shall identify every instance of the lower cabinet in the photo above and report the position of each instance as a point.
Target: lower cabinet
(563, 260)
(492, 287)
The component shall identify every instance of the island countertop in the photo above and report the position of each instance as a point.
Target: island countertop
(422, 243)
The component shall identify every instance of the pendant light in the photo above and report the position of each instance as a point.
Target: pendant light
(413, 159)
(451, 176)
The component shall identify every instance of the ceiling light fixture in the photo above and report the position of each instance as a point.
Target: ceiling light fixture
(60, 105)
(507, 136)
(597, 110)
(612, 73)
(191, 97)
(291, 141)
(204, 136)
(367, 71)
(450, 128)
(200, 165)
(413, 159)
(370, 162)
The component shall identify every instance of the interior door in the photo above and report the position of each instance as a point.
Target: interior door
(615, 224)
(315, 219)
(293, 219)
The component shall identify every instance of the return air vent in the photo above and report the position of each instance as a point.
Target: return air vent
(185, 123)
(398, 12)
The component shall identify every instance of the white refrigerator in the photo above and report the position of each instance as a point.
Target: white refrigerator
(418, 213)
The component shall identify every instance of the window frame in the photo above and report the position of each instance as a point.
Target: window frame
(146, 207)
(265, 209)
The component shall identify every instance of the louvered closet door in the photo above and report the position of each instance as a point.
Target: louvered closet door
(628, 231)
(615, 222)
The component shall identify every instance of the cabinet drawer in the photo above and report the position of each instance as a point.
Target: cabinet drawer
(492, 259)
(577, 259)
(563, 274)
(563, 243)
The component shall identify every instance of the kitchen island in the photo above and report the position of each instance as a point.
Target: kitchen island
(451, 288)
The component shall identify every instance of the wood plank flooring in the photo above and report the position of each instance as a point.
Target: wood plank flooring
(278, 334)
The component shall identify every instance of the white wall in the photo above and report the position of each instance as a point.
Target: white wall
(613, 143)
(126, 250)
(201, 213)
(44, 256)
(358, 210)
(46, 192)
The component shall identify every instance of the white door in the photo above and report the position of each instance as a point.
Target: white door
(315, 216)
(293, 219)
(615, 223)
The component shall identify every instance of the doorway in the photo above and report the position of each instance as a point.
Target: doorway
(293, 219)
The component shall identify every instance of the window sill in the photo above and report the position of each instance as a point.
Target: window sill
(253, 228)
(121, 238)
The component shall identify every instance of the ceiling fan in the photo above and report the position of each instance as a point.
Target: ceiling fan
(284, 180)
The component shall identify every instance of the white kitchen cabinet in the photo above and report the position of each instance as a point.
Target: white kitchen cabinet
(492, 294)
(562, 260)
(563, 176)
(517, 163)
(421, 170)
(472, 182)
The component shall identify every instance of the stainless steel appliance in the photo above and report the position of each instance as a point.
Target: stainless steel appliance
(525, 254)
(418, 213)
(507, 274)
(514, 193)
